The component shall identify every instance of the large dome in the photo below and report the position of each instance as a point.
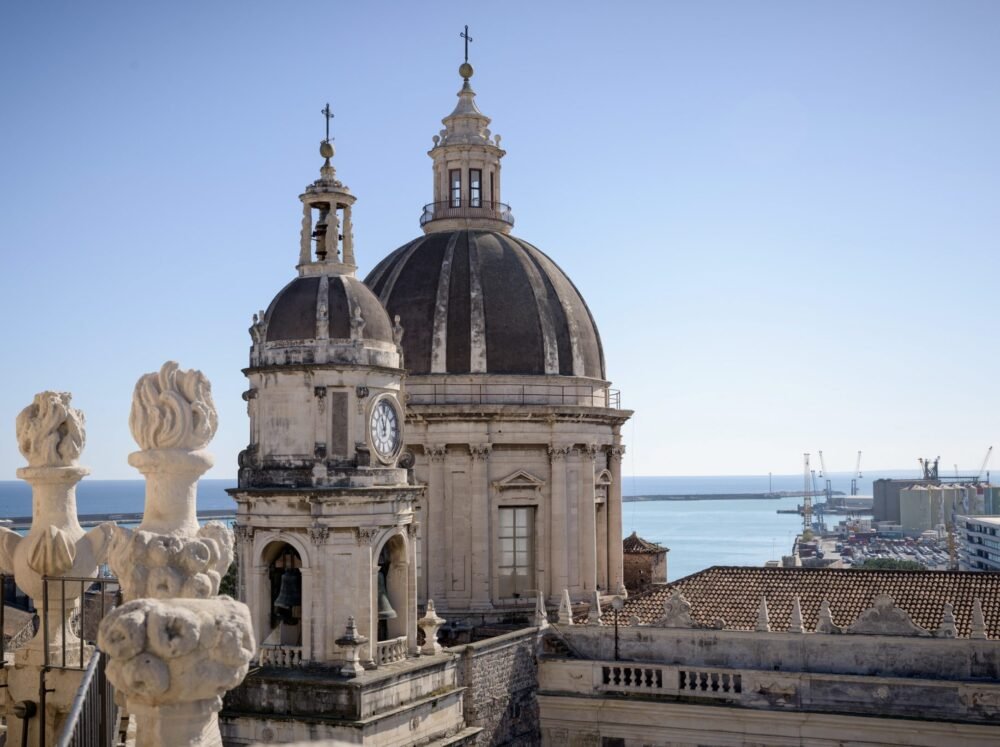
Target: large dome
(477, 301)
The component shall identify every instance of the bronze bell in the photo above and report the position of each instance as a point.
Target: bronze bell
(289, 594)
(385, 610)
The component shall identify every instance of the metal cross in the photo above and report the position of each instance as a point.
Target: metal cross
(329, 115)
(465, 35)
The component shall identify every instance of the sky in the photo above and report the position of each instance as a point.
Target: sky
(784, 216)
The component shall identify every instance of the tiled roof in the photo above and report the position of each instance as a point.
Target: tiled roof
(733, 594)
(635, 544)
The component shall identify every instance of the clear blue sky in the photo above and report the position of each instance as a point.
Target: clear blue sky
(784, 215)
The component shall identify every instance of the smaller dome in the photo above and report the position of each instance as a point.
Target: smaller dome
(296, 313)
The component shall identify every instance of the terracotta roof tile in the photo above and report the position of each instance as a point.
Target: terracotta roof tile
(636, 545)
(733, 594)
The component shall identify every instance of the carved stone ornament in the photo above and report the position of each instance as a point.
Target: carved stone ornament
(947, 628)
(885, 618)
(558, 453)
(977, 629)
(243, 533)
(763, 618)
(565, 609)
(412, 529)
(825, 624)
(795, 622)
(318, 534)
(430, 623)
(50, 433)
(436, 452)
(676, 612)
(615, 453)
(366, 535)
(987, 702)
(541, 619)
(173, 660)
(775, 689)
(480, 451)
(594, 614)
(173, 409)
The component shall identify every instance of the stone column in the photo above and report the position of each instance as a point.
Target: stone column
(615, 583)
(51, 436)
(588, 520)
(436, 522)
(480, 545)
(305, 237)
(348, 237)
(558, 569)
(173, 660)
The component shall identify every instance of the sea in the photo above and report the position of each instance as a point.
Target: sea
(699, 533)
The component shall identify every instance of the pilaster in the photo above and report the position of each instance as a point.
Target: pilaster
(480, 540)
(558, 562)
(588, 519)
(615, 583)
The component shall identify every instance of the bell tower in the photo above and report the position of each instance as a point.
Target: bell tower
(325, 523)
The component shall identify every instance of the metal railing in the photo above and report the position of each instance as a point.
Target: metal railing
(92, 719)
(513, 394)
(464, 209)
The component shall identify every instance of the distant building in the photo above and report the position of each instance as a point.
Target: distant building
(782, 656)
(885, 497)
(928, 507)
(979, 543)
(644, 563)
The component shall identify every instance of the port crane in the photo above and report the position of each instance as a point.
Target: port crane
(857, 475)
(824, 475)
(807, 490)
(986, 461)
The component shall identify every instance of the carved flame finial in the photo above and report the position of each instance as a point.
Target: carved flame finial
(50, 433)
(173, 409)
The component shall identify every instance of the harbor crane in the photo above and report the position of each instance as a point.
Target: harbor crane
(857, 475)
(807, 510)
(824, 475)
(986, 461)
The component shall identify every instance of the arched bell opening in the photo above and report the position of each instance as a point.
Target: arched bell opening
(284, 576)
(391, 589)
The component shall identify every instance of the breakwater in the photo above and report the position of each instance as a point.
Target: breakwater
(92, 520)
(773, 496)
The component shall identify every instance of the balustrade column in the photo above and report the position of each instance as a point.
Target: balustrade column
(615, 584)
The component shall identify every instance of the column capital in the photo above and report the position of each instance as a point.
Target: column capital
(480, 451)
(616, 452)
(366, 535)
(560, 451)
(318, 534)
(436, 452)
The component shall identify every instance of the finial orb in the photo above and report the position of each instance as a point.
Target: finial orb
(465, 70)
(326, 149)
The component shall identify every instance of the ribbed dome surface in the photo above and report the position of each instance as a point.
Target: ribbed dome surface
(485, 302)
(293, 313)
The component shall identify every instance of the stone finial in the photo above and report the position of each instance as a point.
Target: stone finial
(885, 618)
(397, 330)
(977, 629)
(173, 409)
(541, 613)
(825, 624)
(174, 660)
(795, 623)
(594, 615)
(763, 619)
(50, 433)
(676, 611)
(351, 641)
(947, 628)
(565, 609)
(430, 623)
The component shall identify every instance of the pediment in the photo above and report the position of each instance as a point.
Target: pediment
(603, 477)
(519, 480)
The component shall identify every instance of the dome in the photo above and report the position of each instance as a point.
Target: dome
(294, 314)
(480, 301)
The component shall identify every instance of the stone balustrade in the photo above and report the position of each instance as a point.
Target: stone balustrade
(386, 652)
(656, 679)
(971, 700)
(272, 655)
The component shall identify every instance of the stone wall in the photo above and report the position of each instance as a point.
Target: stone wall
(501, 675)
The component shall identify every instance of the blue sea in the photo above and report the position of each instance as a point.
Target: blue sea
(698, 533)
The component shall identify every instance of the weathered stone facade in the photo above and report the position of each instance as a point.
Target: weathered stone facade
(501, 677)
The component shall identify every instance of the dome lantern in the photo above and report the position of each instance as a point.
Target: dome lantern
(326, 244)
(466, 168)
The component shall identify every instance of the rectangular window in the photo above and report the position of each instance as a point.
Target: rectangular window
(475, 188)
(455, 177)
(516, 565)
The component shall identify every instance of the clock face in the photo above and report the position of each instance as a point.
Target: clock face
(385, 428)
